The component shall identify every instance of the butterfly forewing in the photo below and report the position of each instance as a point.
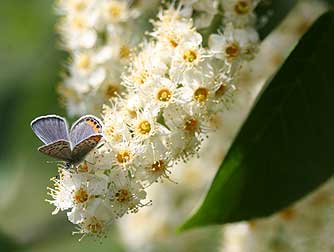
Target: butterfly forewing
(85, 146)
(50, 129)
(85, 127)
(60, 150)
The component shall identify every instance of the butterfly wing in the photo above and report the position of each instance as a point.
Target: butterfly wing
(85, 146)
(60, 150)
(50, 129)
(83, 128)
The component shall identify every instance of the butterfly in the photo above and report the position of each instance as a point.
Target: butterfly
(67, 145)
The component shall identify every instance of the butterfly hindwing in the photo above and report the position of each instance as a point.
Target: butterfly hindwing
(50, 129)
(60, 150)
(85, 146)
(83, 128)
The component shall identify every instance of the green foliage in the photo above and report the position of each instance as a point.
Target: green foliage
(285, 148)
(7, 244)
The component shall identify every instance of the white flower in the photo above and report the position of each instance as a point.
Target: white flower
(160, 92)
(154, 164)
(239, 12)
(127, 194)
(234, 44)
(116, 11)
(187, 58)
(145, 125)
(75, 189)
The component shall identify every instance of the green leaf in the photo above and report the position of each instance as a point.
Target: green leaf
(270, 13)
(7, 244)
(285, 149)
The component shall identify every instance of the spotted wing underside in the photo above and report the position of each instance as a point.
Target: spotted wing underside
(60, 150)
(85, 146)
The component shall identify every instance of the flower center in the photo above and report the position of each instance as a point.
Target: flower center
(144, 127)
(123, 156)
(94, 226)
(201, 94)
(111, 90)
(190, 56)
(158, 166)
(164, 95)
(190, 125)
(80, 196)
(114, 10)
(122, 195)
(83, 62)
(242, 7)
(124, 52)
(232, 50)
(78, 5)
(78, 23)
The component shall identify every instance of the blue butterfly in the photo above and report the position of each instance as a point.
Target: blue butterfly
(67, 145)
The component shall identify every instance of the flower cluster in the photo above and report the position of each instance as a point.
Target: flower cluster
(174, 86)
(100, 36)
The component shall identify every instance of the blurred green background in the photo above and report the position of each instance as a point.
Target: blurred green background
(31, 62)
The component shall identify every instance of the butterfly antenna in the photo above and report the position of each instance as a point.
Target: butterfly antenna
(53, 162)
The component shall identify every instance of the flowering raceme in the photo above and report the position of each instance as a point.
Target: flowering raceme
(173, 86)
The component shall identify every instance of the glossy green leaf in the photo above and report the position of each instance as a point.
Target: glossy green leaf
(285, 149)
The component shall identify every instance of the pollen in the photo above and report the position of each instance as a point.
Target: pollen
(201, 94)
(122, 195)
(242, 7)
(190, 56)
(158, 166)
(80, 196)
(132, 113)
(164, 95)
(144, 127)
(190, 125)
(232, 50)
(124, 52)
(83, 62)
(114, 10)
(109, 130)
(78, 23)
(141, 77)
(172, 41)
(123, 156)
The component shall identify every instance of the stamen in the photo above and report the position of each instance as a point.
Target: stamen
(190, 56)
(242, 7)
(164, 95)
(201, 94)
(144, 127)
